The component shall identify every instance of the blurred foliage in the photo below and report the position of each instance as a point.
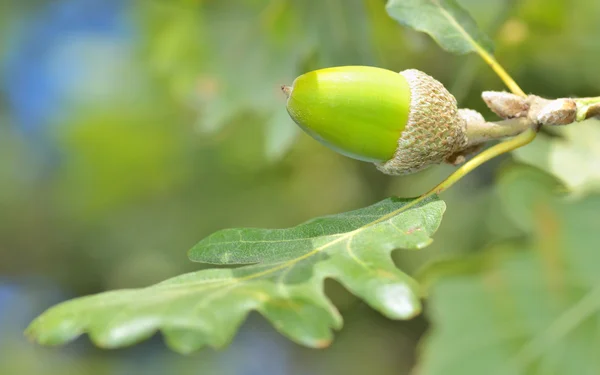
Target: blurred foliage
(202, 50)
(571, 153)
(174, 131)
(523, 307)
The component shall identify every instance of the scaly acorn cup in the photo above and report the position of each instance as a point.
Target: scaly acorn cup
(402, 122)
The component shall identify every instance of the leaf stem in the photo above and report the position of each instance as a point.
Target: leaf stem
(496, 67)
(512, 144)
(466, 75)
(485, 55)
(501, 148)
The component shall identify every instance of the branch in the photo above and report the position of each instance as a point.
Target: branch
(540, 111)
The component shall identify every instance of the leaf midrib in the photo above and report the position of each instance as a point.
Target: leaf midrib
(233, 281)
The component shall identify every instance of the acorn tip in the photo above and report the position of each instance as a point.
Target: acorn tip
(287, 90)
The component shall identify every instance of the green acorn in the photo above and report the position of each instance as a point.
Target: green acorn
(401, 122)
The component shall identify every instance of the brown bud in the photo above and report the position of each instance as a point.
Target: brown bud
(558, 112)
(506, 105)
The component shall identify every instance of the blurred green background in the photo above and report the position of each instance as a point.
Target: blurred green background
(129, 130)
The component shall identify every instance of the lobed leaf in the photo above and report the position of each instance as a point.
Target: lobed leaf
(445, 21)
(283, 281)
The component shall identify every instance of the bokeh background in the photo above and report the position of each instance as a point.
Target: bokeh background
(129, 130)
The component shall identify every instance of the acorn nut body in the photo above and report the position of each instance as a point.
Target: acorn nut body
(402, 122)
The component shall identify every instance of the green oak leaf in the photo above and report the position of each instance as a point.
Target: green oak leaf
(445, 21)
(528, 307)
(282, 280)
(571, 154)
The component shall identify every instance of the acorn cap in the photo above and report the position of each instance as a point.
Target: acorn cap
(434, 133)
